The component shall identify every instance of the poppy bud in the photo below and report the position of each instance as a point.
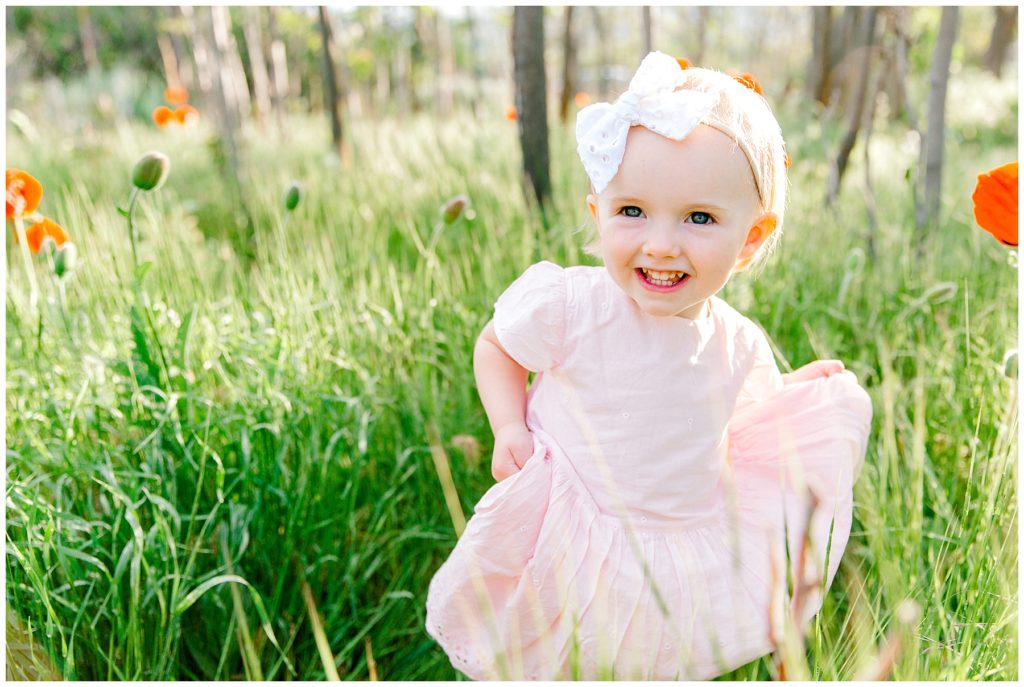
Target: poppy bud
(292, 196)
(453, 209)
(65, 260)
(1010, 363)
(150, 171)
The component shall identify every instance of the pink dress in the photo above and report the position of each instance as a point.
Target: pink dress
(645, 537)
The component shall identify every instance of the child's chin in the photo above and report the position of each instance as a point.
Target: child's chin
(660, 310)
(669, 310)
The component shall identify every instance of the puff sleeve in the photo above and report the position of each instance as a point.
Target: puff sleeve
(530, 316)
(764, 379)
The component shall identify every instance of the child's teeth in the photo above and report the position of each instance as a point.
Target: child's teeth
(662, 278)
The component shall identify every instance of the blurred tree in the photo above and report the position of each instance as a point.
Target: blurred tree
(568, 66)
(475, 63)
(170, 60)
(899, 24)
(703, 22)
(602, 42)
(174, 49)
(927, 214)
(445, 66)
(88, 37)
(332, 93)
(819, 64)
(646, 40)
(531, 99)
(278, 69)
(257, 63)
(1003, 28)
(233, 79)
(855, 112)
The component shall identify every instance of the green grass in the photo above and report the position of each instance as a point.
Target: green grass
(184, 455)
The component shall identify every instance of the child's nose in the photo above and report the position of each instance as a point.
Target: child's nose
(662, 242)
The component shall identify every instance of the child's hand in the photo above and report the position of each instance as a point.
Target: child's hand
(819, 368)
(513, 446)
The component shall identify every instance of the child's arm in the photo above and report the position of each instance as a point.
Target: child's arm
(501, 383)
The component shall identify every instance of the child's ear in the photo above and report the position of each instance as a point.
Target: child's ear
(592, 206)
(763, 227)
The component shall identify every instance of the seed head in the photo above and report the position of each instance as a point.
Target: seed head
(150, 171)
(292, 196)
(454, 208)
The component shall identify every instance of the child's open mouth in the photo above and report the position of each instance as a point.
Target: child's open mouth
(658, 280)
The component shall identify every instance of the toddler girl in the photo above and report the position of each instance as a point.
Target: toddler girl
(653, 477)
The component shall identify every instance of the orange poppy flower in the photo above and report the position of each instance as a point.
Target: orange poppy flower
(42, 230)
(748, 80)
(175, 95)
(163, 115)
(23, 193)
(186, 114)
(511, 114)
(995, 203)
(582, 99)
(683, 63)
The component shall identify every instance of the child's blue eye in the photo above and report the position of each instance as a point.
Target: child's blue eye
(632, 211)
(701, 218)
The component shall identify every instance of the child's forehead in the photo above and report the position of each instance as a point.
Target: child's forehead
(702, 139)
(706, 157)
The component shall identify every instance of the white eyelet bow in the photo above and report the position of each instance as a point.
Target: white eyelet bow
(652, 102)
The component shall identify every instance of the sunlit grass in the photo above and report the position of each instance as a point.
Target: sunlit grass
(161, 519)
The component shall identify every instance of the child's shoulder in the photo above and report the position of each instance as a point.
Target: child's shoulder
(578, 281)
(734, 324)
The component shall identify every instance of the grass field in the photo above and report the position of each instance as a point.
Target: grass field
(205, 463)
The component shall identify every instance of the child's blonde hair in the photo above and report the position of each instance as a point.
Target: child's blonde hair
(745, 116)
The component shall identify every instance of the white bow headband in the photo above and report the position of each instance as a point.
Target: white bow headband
(651, 101)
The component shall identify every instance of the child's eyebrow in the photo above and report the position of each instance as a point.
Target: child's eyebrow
(616, 200)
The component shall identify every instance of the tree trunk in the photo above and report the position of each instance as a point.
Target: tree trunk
(1002, 35)
(474, 52)
(602, 55)
(703, 23)
(215, 78)
(870, 205)
(180, 48)
(87, 35)
(646, 40)
(332, 94)
(257, 63)
(568, 67)
(278, 70)
(901, 29)
(402, 81)
(818, 66)
(932, 148)
(445, 66)
(531, 99)
(417, 56)
(856, 110)
(170, 60)
(232, 73)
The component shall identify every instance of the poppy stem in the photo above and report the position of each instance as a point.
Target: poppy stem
(19, 228)
(63, 300)
(131, 224)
